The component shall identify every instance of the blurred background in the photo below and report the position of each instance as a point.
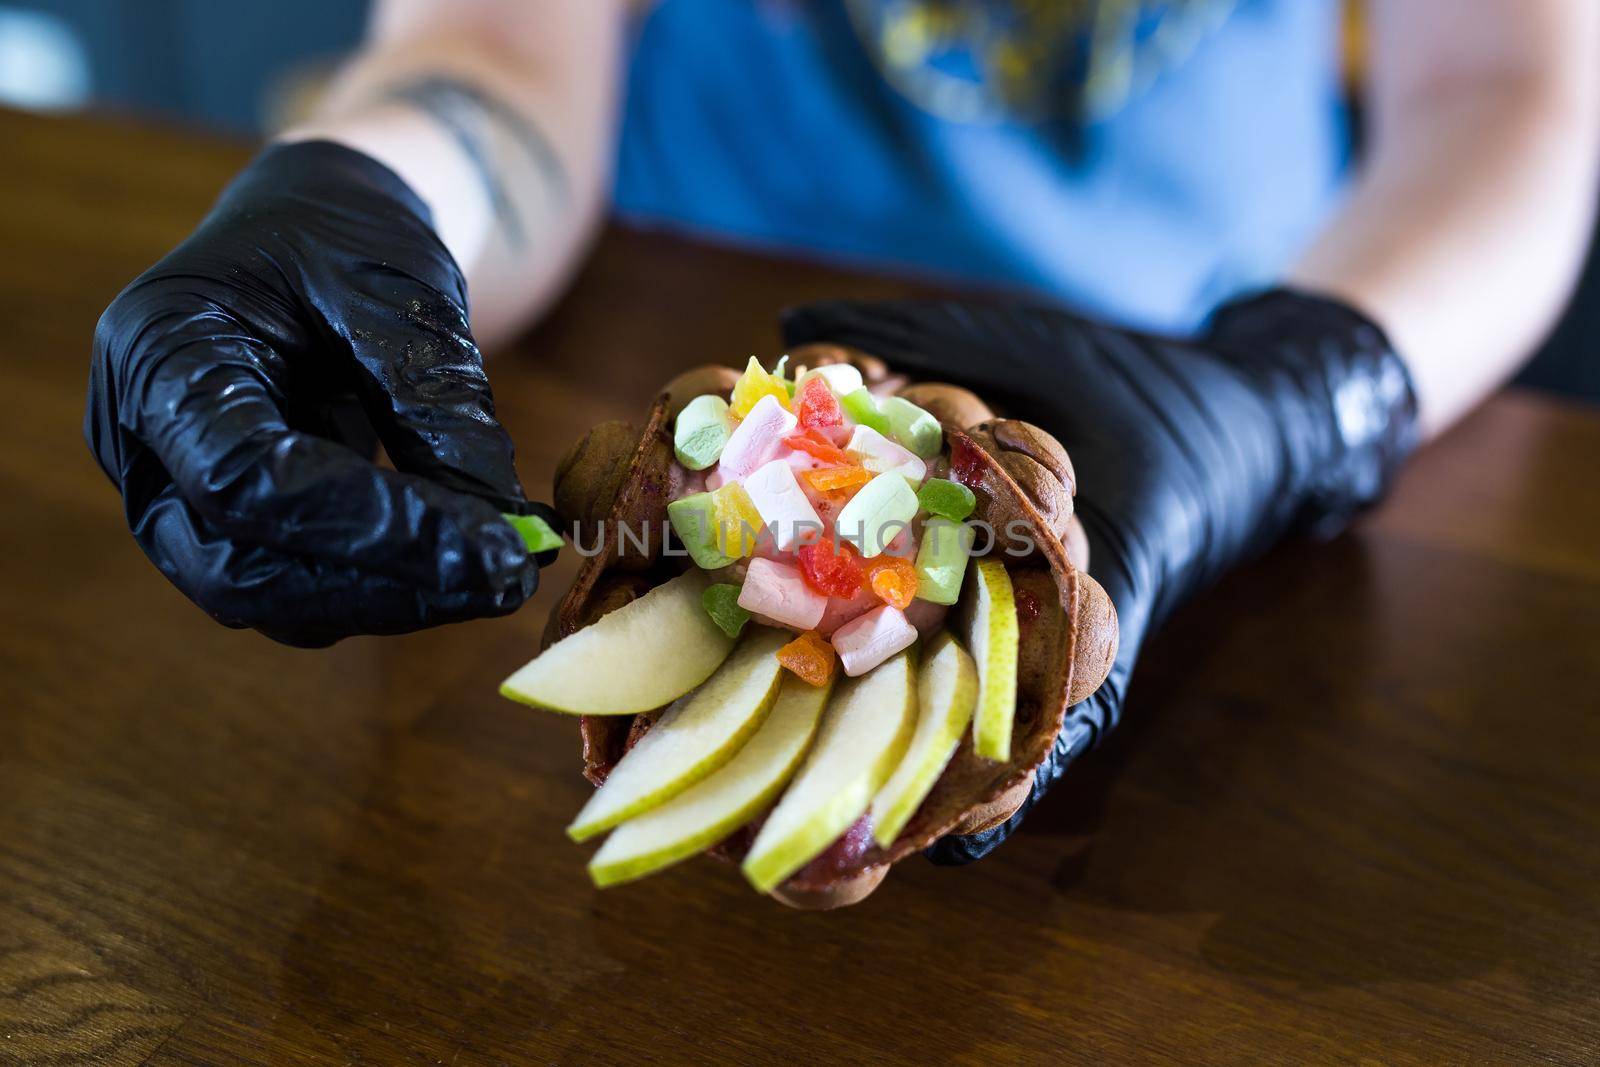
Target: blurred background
(242, 66)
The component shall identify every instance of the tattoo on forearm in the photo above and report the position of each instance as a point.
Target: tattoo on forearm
(477, 121)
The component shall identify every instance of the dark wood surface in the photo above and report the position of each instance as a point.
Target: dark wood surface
(1353, 814)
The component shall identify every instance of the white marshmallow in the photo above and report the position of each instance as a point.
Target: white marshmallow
(784, 508)
(757, 439)
(779, 592)
(881, 455)
(871, 639)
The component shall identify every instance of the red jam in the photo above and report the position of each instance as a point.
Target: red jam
(966, 465)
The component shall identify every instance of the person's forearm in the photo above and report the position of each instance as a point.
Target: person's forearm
(500, 115)
(1466, 228)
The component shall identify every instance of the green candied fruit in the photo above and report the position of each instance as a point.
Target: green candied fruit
(536, 533)
(946, 499)
(721, 602)
(942, 560)
(703, 428)
(862, 407)
(693, 519)
(913, 427)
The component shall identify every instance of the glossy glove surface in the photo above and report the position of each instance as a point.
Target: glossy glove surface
(237, 389)
(1290, 412)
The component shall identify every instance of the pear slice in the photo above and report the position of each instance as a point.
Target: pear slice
(713, 808)
(642, 656)
(694, 737)
(992, 635)
(947, 692)
(863, 733)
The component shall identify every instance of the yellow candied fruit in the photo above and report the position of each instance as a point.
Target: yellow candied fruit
(737, 523)
(754, 384)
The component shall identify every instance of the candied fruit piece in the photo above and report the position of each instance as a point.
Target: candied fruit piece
(737, 522)
(754, 384)
(721, 602)
(894, 580)
(813, 443)
(817, 407)
(946, 499)
(831, 567)
(537, 536)
(828, 479)
(809, 658)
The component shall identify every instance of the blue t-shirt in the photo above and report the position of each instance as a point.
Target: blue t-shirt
(1142, 161)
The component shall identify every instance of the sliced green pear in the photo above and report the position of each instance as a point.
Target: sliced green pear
(644, 655)
(863, 734)
(947, 692)
(991, 618)
(713, 808)
(692, 738)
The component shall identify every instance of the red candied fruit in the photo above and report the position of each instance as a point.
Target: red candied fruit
(816, 406)
(831, 567)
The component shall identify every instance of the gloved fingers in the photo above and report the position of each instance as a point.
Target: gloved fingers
(424, 387)
(919, 336)
(210, 415)
(1076, 737)
(1025, 362)
(341, 419)
(1092, 718)
(298, 600)
(943, 337)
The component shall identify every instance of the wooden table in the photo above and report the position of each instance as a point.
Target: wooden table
(1353, 814)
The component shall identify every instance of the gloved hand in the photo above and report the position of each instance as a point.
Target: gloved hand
(236, 386)
(1290, 411)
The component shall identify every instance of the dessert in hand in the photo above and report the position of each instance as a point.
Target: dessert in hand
(825, 617)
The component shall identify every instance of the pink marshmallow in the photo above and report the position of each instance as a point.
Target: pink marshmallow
(756, 440)
(779, 592)
(871, 639)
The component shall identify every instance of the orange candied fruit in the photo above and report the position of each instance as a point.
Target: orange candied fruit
(813, 443)
(828, 479)
(809, 658)
(894, 580)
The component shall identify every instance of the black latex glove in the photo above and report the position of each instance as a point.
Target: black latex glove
(1290, 411)
(236, 387)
